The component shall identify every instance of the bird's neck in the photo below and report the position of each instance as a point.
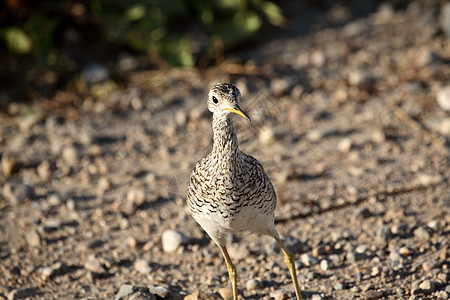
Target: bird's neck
(225, 139)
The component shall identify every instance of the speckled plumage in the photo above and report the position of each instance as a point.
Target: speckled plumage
(229, 190)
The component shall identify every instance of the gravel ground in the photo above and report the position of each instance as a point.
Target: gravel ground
(351, 123)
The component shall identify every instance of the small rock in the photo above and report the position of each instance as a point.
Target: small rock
(399, 229)
(309, 260)
(9, 164)
(17, 192)
(200, 296)
(344, 145)
(266, 135)
(70, 155)
(317, 57)
(355, 256)
(427, 286)
(278, 295)
(443, 97)
(172, 239)
(374, 294)
(314, 135)
(128, 292)
(280, 86)
(92, 264)
(405, 251)
(142, 266)
(421, 233)
(445, 19)
(46, 273)
(43, 170)
(237, 251)
(33, 238)
(226, 293)
(22, 293)
(339, 286)
(316, 297)
(103, 185)
(324, 265)
(384, 233)
(94, 73)
(252, 284)
(361, 79)
(320, 251)
(54, 200)
(428, 265)
(375, 271)
(159, 290)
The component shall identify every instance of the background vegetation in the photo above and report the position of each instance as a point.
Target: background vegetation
(174, 33)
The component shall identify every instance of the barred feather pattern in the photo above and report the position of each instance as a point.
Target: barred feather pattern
(228, 189)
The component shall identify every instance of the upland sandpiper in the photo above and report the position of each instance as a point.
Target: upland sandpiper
(229, 190)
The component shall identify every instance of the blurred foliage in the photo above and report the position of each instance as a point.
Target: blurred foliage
(177, 32)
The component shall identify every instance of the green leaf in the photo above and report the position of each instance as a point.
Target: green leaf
(17, 40)
(272, 12)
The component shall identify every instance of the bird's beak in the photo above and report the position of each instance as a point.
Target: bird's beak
(237, 110)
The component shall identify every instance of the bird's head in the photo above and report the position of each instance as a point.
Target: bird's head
(223, 99)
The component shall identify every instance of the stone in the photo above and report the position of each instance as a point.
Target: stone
(374, 294)
(427, 286)
(421, 233)
(142, 266)
(308, 260)
(159, 290)
(445, 19)
(70, 155)
(226, 293)
(252, 284)
(17, 192)
(384, 233)
(33, 238)
(8, 164)
(324, 264)
(94, 73)
(316, 297)
(344, 145)
(93, 264)
(172, 239)
(428, 265)
(266, 135)
(355, 256)
(128, 292)
(361, 79)
(443, 97)
(278, 295)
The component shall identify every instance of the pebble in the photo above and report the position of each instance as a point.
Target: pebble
(355, 256)
(324, 264)
(129, 292)
(70, 155)
(280, 86)
(266, 135)
(93, 264)
(142, 266)
(384, 233)
(421, 233)
(23, 293)
(9, 164)
(445, 19)
(17, 192)
(278, 295)
(309, 260)
(226, 293)
(314, 135)
(405, 251)
(361, 79)
(316, 297)
(43, 170)
(339, 286)
(375, 271)
(252, 284)
(94, 73)
(159, 290)
(200, 296)
(374, 294)
(172, 239)
(428, 265)
(238, 251)
(399, 229)
(344, 145)
(427, 286)
(142, 295)
(443, 97)
(33, 238)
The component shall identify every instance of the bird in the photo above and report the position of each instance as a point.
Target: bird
(229, 191)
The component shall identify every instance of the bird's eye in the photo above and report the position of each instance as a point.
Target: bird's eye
(214, 99)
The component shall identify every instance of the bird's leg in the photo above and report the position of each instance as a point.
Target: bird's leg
(231, 270)
(290, 262)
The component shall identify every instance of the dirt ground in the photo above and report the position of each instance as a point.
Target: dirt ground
(345, 120)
